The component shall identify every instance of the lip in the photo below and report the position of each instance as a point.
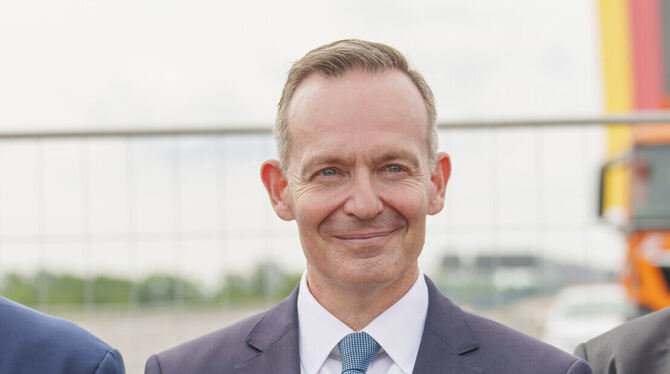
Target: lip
(364, 237)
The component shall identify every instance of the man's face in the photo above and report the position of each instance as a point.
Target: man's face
(358, 180)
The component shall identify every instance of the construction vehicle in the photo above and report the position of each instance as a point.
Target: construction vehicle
(635, 195)
(635, 182)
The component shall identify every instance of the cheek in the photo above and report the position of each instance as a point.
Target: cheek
(411, 201)
(314, 207)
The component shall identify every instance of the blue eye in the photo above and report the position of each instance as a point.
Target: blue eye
(395, 169)
(328, 172)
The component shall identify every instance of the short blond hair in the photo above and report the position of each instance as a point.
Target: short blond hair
(333, 60)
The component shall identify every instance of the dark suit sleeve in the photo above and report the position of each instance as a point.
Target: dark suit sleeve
(580, 367)
(111, 364)
(152, 366)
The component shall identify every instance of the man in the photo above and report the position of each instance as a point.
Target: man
(32, 342)
(641, 345)
(358, 171)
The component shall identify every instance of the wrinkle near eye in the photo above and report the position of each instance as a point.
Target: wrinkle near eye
(302, 189)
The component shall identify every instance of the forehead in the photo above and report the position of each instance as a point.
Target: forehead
(357, 106)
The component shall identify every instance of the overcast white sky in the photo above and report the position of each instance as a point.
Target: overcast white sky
(98, 63)
(88, 64)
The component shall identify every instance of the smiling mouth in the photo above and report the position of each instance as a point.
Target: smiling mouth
(366, 237)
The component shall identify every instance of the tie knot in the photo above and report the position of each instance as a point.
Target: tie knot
(357, 349)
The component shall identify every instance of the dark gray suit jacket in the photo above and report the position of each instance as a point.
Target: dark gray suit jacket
(35, 343)
(641, 345)
(453, 341)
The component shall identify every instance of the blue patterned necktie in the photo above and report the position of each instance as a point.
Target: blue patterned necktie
(357, 349)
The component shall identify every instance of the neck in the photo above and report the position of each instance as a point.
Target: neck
(358, 305)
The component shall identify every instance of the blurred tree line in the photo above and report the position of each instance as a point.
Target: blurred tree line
(266, 283)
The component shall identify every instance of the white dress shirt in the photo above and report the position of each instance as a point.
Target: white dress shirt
(398, 330)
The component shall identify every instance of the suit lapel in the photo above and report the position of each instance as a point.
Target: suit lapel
(275, 337)
(446, 337)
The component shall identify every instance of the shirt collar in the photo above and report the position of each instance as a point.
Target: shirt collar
(320, 331)
(400, 328)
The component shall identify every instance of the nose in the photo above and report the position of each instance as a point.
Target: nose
(363, 201)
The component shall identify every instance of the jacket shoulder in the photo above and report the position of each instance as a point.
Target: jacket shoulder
(507, 350)
(214, 352)
(34, 342)
(639, 345)
(487, 346)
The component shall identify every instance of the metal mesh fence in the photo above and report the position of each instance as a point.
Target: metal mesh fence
(125, 221)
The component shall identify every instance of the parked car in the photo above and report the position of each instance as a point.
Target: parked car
(579, 313)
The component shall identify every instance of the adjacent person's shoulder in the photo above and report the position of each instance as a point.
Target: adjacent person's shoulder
(32, 342)
(223, 348)
(511, 351)
(639, 345)
(639, 331)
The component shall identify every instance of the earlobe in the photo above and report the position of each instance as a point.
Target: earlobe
(276, 184)
(439, 178)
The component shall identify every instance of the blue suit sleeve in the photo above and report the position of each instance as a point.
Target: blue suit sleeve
(111, 364)
(579, 367)
(152, 366)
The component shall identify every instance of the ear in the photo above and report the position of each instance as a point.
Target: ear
(438, 183)
(276, 184)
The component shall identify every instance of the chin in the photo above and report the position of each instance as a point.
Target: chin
(368, 277)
